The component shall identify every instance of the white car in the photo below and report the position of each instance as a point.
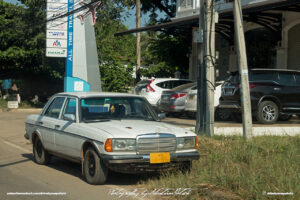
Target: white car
(156, 86)
(102, 131)
(191, 103)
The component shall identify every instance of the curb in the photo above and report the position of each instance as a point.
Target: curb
(21, 110)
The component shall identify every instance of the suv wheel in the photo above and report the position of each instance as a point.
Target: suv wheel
(267, 112)
(95, 171)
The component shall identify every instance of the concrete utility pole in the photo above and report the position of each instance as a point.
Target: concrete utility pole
(138, 40)
(243, 69)
(201, 78)
(209, 63)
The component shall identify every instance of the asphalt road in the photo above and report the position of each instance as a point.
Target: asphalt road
(22, 178)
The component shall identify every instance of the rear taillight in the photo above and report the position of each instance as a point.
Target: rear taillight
(149, 88)
(179, 95)
(252, 85)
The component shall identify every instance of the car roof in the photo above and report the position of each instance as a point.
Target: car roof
(275, 70)
(95, 94)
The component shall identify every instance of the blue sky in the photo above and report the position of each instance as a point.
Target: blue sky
(130, 22)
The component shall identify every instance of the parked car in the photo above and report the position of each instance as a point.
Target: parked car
(156, 86)
(140, 85)
(119, 132)
(274, 93)
(191, 103)
(174, 100)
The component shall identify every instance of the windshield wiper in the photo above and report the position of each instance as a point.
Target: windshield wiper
(96, 120)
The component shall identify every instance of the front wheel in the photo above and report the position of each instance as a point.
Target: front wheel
(267, 112)
(40, 155)
(95, 171)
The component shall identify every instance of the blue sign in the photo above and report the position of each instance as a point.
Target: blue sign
(69, 63)
(6, 84)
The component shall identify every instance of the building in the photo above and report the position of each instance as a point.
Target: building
(272, 30)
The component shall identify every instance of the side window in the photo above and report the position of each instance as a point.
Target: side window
(264, 76)
(70, 107)
(287, 79)
(163, 84)
(55, 107)
(297, 77)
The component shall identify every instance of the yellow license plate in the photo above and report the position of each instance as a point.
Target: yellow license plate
(159, 157)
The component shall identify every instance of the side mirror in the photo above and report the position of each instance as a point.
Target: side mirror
(161, 115)
(69, 117)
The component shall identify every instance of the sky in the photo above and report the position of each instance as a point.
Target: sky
(130, 21)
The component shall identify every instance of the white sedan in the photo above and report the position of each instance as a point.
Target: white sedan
(102, 131)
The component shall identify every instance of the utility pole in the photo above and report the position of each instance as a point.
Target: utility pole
(209, 64)
(138, 40)
(243, 69)
(201, 77)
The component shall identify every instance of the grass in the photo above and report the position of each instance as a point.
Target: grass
(230, 168)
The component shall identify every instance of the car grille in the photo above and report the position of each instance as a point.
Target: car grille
(153, 143)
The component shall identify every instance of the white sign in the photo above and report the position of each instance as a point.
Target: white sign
(56, 34)
(56, 52)
(52, 15)
(78, 86)
(57, 1)
(57, 25)
(56, 43)
(57, 7)
(12, 104)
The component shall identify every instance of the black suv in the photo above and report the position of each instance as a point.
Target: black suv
(274, 93)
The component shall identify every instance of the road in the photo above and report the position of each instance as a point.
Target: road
(19, 173)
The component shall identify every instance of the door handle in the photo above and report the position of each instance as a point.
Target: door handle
(40, 122)
(57, 126)
(277, 88)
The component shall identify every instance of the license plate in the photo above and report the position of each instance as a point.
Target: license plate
(159, 158)
(192, 97)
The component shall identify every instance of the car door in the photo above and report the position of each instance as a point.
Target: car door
(67, 142)
(48, 120)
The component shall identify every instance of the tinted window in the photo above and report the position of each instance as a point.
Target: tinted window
(297, 77)
(263, 76)
(70, 107)
(164, 84)
(287, 79)
(55, 107)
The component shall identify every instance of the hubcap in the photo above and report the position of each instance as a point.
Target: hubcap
(269, 113)
(91, 165)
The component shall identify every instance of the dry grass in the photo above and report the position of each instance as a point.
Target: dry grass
(230, 168)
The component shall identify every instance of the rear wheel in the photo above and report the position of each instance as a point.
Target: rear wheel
(40, 155)
(267, 112)
(95, 171)
(222, 114)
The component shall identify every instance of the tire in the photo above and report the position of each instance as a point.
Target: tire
(40, 155)
(267, 112)
(237, 117)
(222, 114)
(284, 117)
(191, 115)
(95, 172)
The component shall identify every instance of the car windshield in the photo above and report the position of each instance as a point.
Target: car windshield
(116, 108)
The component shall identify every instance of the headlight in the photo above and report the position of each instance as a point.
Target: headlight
(123, 145)
(186, 143)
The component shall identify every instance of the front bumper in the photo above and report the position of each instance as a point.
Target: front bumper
(175, 157)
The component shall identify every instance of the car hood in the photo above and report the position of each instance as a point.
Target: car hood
(132, 128)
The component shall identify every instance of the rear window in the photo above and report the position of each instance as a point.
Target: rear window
(263, 76)
(172, 84)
